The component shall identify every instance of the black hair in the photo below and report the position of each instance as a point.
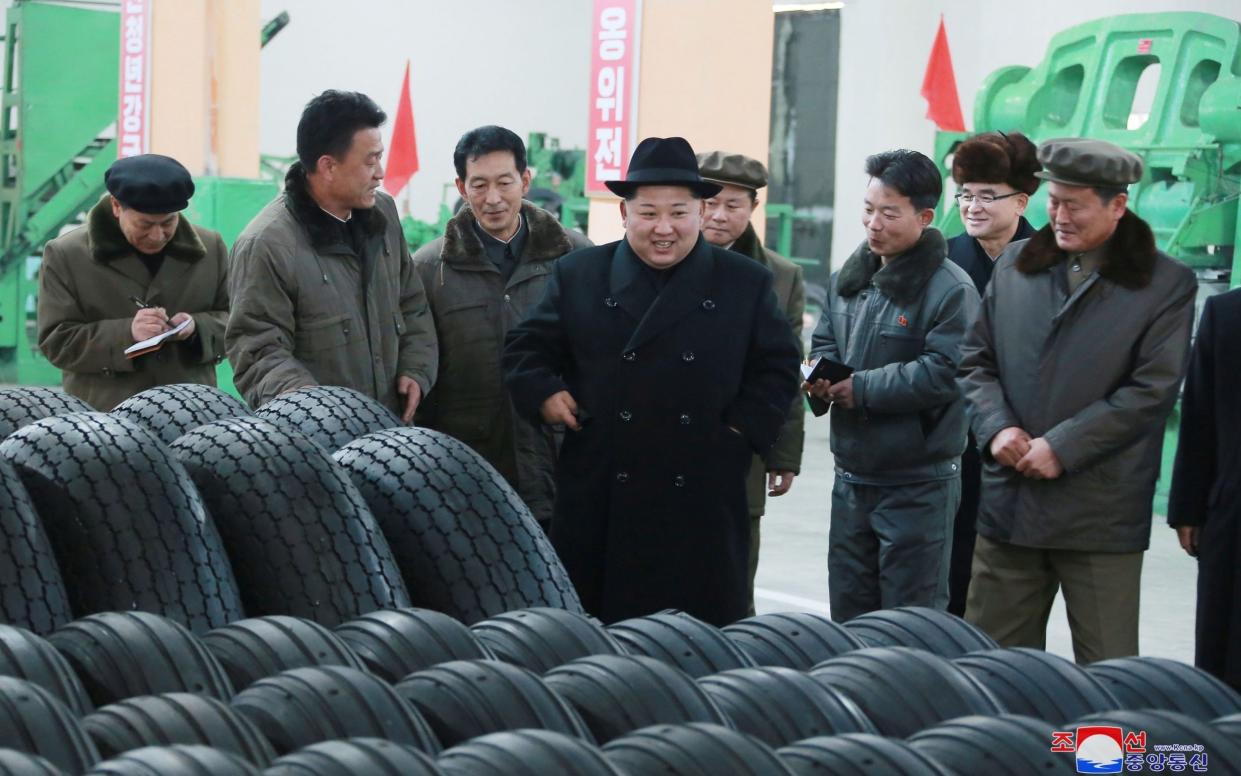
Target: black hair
(329, 122)
(910, 173)
(485, 140)
(1109, 193)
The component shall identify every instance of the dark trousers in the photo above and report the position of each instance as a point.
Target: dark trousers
(888, 545)
(963, 529)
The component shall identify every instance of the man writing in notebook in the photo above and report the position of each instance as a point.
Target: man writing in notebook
(135, 246)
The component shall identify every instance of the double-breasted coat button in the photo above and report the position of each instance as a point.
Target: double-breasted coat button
(688, 356)
(630, 356)
(626, 415)
(679, 480)
(708, 305)
(610, 302)
(685, 419)
(622, 477)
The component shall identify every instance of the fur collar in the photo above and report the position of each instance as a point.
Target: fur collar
(108, 242)
(1128, 259)
(320, 226)
(901, 280)
(545, 237)
(748, 244)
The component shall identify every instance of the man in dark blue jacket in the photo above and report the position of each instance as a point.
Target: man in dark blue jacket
(671, 365)
(994, 173)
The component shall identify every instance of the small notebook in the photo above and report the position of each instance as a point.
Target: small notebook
(155, 343)
(823, 369)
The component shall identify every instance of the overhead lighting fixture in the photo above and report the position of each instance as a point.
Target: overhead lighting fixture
(791, 7)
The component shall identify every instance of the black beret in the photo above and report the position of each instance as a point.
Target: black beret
(150, 183)
(997, 157)
(1084, 161)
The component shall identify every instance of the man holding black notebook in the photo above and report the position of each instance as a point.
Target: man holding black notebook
(895, 315)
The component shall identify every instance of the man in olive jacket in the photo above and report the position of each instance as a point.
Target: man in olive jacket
(726, 223)
(896, 313)
(481, 278)
(323, 287)
(135, 249)
(1070, 372)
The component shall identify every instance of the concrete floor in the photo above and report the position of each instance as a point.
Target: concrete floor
(792, 570)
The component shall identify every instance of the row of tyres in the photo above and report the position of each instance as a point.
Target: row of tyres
(312, 589)
(543, 690)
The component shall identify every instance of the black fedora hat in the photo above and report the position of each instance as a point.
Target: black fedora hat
(663, 161)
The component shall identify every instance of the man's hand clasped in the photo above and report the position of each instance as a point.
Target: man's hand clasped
(1033, 458)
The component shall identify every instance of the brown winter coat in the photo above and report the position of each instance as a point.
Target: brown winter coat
(474, 309)
(308, 311)
(85, 311)
(1095, 373)
(789, 284)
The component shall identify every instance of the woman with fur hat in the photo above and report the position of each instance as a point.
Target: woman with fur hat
(994, 173)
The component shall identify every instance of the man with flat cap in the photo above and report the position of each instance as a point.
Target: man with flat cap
(995, 177)
(726, 224)
(1070, 372)
(669, 362)
(133, 271)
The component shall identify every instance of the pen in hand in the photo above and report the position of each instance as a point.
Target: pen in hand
(147, 306)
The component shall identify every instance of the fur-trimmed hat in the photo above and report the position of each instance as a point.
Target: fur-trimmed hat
(997, 157)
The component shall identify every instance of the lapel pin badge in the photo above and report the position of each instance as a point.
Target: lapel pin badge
(902, 320)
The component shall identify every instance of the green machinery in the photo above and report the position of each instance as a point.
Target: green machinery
(57, 138)
(1167, 86)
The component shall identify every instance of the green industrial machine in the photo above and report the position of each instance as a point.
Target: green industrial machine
(1167, 86)
(58, 137)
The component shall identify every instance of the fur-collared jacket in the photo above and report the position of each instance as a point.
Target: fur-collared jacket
(86, 284)
(474, 308)
(1095, 373)
(900, 327)
(307, 310)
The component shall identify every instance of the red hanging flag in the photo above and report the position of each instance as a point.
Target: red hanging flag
(403, 150)
(939, 86)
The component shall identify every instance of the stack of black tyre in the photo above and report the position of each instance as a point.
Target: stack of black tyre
(189, 588)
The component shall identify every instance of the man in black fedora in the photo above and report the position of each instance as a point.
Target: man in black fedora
(671, 365)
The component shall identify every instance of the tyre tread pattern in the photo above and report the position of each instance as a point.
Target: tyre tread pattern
(170, 411)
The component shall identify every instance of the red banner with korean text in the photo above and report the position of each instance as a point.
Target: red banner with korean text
(133, 110)
(613, 86)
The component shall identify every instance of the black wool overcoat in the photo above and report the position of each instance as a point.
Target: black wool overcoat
(651, 505)
(1206, 482)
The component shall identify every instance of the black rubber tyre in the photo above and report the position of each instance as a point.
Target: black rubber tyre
(168, 411)
(24, 655)
(859, 754)
(780, 705)
(1231, 726)
(920, 627)
(179, 760)
(1038, 684)
(121, 655)
(1223, 753)
(904, 690)
(331, 415)
(15, 763)
(176, 718)
(1160, 683)
(680, 640)
(541, 638)
(469, 698)
(126, 522)
(694, 749)
(397, 642)
(34, 721)
(617, 694)
(23, 406)
(32, 592)
(301, 539)
(798, 640)
(465, 542)
(307, 705)
(526, 753)
(1010, 744)
(355, 757)
(261, 647)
